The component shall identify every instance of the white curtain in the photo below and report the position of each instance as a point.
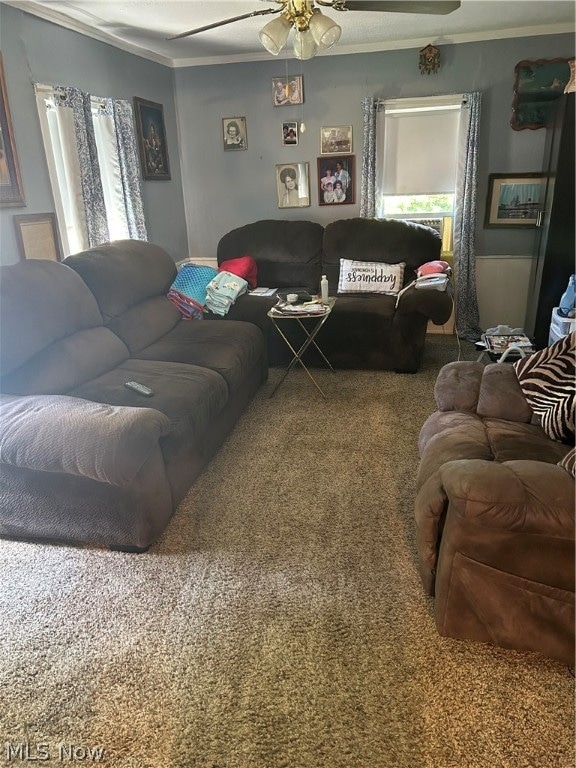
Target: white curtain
(91, 152)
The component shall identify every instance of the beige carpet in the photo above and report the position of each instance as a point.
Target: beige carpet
(279, 623)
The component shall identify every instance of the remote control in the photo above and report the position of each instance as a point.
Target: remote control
(140, 388)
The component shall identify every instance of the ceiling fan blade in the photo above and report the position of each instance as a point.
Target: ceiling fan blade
(418, 6)
(226, 21)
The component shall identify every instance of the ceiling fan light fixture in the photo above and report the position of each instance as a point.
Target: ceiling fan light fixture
(324, 30)
(274, 35)
(305, 47)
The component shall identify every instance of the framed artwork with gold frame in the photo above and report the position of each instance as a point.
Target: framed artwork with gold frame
(11, 191)
(151, 133)
(37, 236)
(537, 85)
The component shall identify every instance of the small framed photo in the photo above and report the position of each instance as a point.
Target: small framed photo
(11, 191)
(287, 91)
(293, 185)
(290, 134)
(234, 133)
(336, 140)
(37, 236)
(336, 180)
(151, 135)
(514, 200)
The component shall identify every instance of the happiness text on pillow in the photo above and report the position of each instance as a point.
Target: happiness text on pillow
(371, 275)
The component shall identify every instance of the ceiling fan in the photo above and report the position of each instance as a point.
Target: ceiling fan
(313, 30)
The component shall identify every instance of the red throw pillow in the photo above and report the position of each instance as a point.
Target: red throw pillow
(243, 266)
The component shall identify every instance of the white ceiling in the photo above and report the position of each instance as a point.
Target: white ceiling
(142, 26)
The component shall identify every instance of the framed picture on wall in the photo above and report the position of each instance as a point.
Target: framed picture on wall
(514, 200)
(290, 134)
(234, 133)
(537, 85)
(335, 139)
(287, 91)
(11, 192)
(336, 180)
(293, 185)
(151, 135)
(37, 236)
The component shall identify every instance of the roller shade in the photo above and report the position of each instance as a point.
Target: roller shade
(420, 144)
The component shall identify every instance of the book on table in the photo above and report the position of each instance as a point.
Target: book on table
(262, 291)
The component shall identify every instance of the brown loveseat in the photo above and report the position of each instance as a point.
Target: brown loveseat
(83, 458)
(495, 513)
(364, 330)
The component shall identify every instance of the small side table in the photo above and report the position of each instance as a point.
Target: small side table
(278, 318)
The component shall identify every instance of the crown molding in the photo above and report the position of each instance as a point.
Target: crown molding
(48, 14)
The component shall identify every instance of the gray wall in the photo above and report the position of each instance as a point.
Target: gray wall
(221, 190)
(227, 189)
(34, 50)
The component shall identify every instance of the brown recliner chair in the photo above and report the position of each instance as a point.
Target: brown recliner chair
(495, 515)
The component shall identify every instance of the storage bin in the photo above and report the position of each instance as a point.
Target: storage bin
(560, 326)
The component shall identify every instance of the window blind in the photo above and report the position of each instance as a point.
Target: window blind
(419, 145)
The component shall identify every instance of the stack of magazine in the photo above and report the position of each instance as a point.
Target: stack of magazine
(497, 344)
(306, 308)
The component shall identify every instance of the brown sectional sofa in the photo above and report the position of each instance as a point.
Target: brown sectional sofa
(83, 458)
(364, 330)
(495, 515)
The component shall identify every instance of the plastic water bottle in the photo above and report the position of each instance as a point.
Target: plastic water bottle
(568, 300)
(324, 289)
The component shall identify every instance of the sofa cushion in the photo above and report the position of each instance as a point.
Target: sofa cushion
(51, 333)
(190, 396)
(130, 280)
(288, 253)
(547, 381)
(359, 333)
(370, 277)
(232, 349)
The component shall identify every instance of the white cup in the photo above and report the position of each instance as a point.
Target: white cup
(292, 298)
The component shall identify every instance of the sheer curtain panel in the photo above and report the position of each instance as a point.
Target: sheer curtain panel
(91, 151)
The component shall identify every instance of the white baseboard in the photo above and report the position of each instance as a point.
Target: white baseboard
(204, 261)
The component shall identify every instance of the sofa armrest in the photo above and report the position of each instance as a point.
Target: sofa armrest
(523, 496)
(68, 435)
(491, 391)
(435, 305)
(515, 498)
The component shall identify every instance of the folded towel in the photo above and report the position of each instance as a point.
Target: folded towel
(222, 292)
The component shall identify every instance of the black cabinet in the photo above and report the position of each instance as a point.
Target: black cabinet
(555, 249)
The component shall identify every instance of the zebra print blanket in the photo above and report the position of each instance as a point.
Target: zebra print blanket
(547, 379)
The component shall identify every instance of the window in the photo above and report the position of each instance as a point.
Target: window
(90, 147)
(418, 146)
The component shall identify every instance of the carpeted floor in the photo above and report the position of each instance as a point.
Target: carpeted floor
(280, 622)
